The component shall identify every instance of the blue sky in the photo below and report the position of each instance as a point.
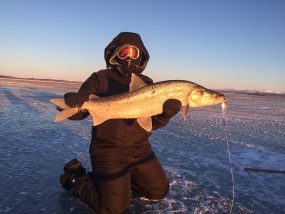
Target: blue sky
(216, 43)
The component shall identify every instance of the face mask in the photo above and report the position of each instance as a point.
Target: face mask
(128, 59)
(128, 65)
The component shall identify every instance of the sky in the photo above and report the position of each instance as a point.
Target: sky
(220, 44)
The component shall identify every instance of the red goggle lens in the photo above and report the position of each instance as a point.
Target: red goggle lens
(128, 51)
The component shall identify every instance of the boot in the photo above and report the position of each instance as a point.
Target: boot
(73, 171)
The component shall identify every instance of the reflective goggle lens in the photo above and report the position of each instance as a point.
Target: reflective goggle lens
(132, 52)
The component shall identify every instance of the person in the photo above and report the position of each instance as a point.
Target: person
(121, 155)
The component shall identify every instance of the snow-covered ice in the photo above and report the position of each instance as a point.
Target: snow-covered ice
(33, 150)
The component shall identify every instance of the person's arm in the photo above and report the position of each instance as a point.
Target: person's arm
(170, 108)
(90, 86)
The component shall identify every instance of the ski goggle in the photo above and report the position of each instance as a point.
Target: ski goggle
(129, 51)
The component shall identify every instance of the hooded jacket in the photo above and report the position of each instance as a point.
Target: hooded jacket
(116, 133)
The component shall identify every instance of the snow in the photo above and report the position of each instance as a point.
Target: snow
(193, 152)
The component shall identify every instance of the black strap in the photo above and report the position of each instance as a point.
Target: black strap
(105, 177)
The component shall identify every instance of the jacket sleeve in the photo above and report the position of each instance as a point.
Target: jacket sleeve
(90, 86)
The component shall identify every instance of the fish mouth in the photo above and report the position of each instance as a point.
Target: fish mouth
(222, 99)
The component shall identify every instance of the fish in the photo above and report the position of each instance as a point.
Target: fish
(143, 101)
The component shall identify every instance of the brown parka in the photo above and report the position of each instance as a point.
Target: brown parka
(121, 155)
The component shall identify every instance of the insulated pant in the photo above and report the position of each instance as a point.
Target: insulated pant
(112, 195)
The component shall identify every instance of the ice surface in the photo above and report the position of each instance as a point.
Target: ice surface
(34, 149)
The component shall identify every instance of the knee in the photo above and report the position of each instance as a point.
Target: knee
(162, 191)
(159, 192)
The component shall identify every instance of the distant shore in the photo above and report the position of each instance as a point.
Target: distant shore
(46, 84)
(67, 86)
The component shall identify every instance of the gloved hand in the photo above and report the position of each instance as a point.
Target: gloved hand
(71, 99)
(171, 107)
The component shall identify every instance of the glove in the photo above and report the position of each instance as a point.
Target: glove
(71, 99)
(170, 108)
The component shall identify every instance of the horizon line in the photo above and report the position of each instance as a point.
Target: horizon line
(264, 91)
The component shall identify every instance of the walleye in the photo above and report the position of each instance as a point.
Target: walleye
(143, 101)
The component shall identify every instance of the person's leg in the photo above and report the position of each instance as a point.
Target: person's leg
(110, 196)
(87, 191)
(149, 180)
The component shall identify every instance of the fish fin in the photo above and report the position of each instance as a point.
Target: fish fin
(136, 83)
(93, 96)
(185, 112)
(97, 118)
(145, 123)
(60, 102)
(66, 113)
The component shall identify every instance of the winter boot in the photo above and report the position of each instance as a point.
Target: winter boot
(73, 171)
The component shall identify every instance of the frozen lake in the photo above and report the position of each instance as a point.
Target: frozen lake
(34, 149)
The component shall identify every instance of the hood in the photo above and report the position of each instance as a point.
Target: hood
(126, 38)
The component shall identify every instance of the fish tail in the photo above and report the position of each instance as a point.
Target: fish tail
(66, 113)
(60, 102)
